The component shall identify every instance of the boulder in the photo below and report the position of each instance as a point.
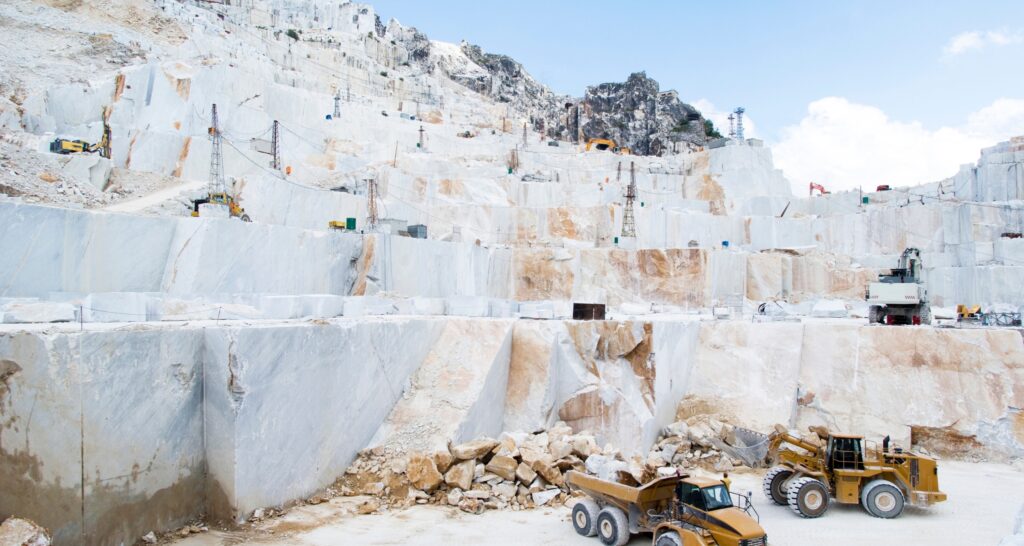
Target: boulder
(529, 454)
(443, 460)
(423, 473)
(455, 497)
(679, 428)
(559, 449)
(548, 471)
(505, 491)
(525, 474)
(480, 494)
(473, 450)
(540, 498)
(583, 445)
(472, 506)
(502, 466)
(461, 474)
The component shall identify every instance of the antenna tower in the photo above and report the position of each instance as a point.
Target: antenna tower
(216, 155)
(628, 222)
(275, 147)
(739, 123)
(372, 220)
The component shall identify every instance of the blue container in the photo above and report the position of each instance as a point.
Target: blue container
(725, 244)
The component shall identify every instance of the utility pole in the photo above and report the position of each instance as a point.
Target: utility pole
(524, 135)
(618, 174)
(628, 222)
(216, 155)
(372, 220)
(337, 106)
(420, 145)
(275, 147)
(732, 126)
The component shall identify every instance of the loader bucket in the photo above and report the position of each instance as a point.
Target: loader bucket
(749, 446)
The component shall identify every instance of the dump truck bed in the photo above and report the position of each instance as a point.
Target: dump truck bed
(660, 489)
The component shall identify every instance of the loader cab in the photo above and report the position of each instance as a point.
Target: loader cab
(845, 453)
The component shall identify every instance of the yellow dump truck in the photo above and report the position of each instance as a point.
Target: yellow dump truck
(677, 510)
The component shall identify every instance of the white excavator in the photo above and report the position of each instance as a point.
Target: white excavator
(900, 297)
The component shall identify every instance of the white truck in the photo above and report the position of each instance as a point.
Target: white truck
(900, 297)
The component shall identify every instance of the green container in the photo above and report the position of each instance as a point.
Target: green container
(864, 200)
(616, 240)
(350, 223)
(510, 170)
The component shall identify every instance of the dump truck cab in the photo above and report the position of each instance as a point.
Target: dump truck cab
(677, 510)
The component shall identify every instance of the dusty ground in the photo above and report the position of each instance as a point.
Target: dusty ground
(984, 503)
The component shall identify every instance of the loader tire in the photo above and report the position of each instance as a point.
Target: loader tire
(882, 499)
(584, 517)
(808, 497)
(670, 538)
(773, 484)
(612, 526)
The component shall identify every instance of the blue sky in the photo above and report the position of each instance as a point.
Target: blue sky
(773, 58)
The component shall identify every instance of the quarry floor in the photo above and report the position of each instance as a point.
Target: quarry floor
(985, 502)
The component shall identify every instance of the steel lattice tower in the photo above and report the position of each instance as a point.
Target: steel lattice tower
(372, 219)
(275, 148)
(216, 155)
(739, 123)
(628, 222)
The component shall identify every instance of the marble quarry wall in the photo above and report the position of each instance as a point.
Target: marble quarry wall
(161, 422)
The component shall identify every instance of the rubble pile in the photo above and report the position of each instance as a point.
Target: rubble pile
(526, 470)
(517, 471)
(23, 532)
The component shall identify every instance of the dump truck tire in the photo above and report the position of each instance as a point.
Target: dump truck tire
(882, 499)
(670, 538)
(773, 484)
(584, 517)
(612, 527)
(245, 218)
(808, 497)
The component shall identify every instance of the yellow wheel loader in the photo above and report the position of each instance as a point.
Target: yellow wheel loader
(677, 510)
(851, 471)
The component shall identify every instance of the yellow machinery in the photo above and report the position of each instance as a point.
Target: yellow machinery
(968, 312)
(65, 146)
(234, 208)
(603, 144)
(881, 480)
(679, 510)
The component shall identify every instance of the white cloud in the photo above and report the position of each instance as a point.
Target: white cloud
(967, 41)
(844, 145)
(721, 119)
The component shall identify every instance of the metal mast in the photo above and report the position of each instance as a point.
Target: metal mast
(739, 123)
(372, 219)
(628, 222)
(275, 148)
(337, 106)
(732, 126)
(216, 156)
